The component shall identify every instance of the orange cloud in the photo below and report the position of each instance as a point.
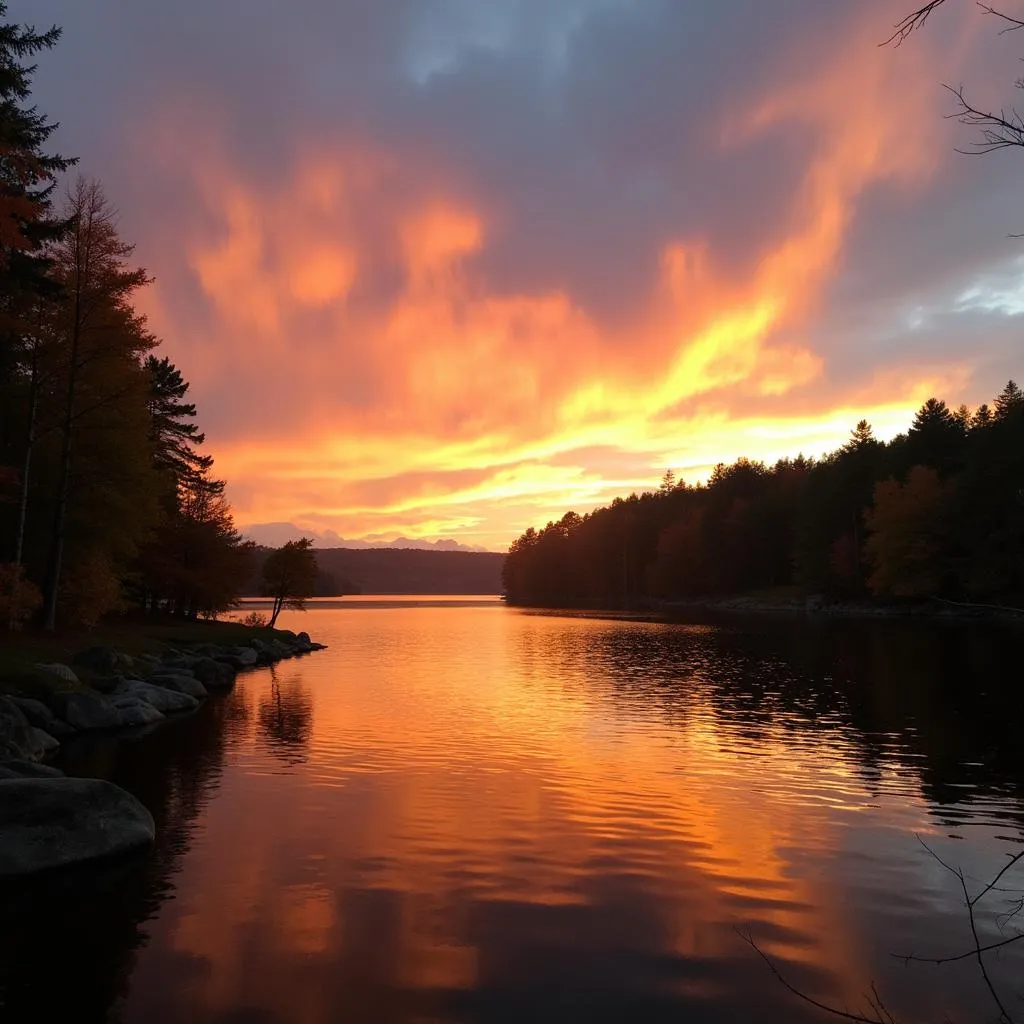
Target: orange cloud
(378, 344)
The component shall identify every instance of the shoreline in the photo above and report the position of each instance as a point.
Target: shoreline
(49, 820)
(935, 609)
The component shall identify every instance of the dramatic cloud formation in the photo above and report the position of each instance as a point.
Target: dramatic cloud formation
(445, 269)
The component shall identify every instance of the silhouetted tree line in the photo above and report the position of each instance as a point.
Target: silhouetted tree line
(936, 512)
(105, 498)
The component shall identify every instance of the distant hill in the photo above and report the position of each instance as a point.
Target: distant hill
(403, 571)
(273, 535)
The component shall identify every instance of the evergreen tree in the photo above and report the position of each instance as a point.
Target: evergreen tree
(173, 433)
(1009, 402)
(28, 176)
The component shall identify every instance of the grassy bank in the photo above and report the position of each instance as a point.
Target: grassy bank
(20, 651)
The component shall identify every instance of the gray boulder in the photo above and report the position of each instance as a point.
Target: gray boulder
(246, 655)
(29, 770)
(16, 738)
(133, 710)
(164, 700)
(39, 715)
(60, 671)
(180, 683)
(50, 823)
(303, 638)
(240, 658)
(181, 663)
(214, 675)
(86, 711)
(97, 659)
(206, 650)
(41, 744)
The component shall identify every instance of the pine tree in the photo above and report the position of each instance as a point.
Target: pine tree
(172, 433)
(28, 176)
(1009, 402)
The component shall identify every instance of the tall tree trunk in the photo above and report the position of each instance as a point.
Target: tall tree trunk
(60, 513)
(26, 463)
(55, 562)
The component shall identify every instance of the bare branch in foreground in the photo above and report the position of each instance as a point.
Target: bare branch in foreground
(911, 23)
(998, 131)
(1012, 24)
(882, 1015)
(910, 958)
(978, 951)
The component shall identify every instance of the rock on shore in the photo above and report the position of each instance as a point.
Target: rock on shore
(48, 823)
(130, 691)
(47, 820)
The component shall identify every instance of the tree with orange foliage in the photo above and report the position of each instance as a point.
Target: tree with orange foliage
(906, 535)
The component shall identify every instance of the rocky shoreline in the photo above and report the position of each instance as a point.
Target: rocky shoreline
(48, 820)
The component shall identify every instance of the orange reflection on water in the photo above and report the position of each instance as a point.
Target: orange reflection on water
(447, 795)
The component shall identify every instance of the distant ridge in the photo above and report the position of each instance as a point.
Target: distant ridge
(390, 570)
(275, 534)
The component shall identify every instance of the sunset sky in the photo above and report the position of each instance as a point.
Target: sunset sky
(447, 268)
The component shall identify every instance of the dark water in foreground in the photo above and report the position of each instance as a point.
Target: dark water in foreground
(463, 812)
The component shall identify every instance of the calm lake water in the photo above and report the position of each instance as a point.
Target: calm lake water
(466, 812)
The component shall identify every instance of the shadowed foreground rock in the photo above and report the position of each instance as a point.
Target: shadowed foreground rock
(55, 822)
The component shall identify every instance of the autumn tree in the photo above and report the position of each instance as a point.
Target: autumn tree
(102, 384)
(289, 576)
(197, 562)
(906, 535)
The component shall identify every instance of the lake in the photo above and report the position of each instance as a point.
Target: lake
(467, 812)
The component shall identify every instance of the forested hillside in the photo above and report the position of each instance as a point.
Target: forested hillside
(936, 512)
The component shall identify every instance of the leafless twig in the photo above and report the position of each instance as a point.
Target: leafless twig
(978, 950)
(911, 23)
(1012, 24)
(998, 131)
(910, 958)
(882, 1015)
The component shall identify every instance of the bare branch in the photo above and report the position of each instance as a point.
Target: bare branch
(1012, 24)
(977, 951)
(877, 1005)
(998, 131)
(911, 23)
(910, 958)
(995, 881)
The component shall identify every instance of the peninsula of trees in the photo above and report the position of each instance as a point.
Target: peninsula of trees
(936, 512)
